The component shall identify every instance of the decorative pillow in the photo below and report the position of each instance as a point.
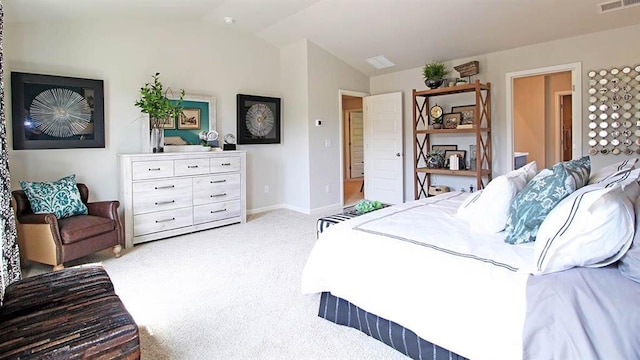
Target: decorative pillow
(541, 195)
(530, 169)
(491, 210)
(60, 198)
(465, 210)
(603, 173)
(629, 265)
(592, 227)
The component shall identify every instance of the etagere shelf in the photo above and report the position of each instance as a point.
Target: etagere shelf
(423, 133)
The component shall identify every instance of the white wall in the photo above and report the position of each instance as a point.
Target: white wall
(201, 58)
(295, 157)
(607, 49)
(327, 75)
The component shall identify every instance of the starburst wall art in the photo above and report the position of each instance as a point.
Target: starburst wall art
(56, 112)
(258, 119)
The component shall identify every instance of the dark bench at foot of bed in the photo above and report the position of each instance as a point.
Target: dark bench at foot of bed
(68, 314)
(342, 312)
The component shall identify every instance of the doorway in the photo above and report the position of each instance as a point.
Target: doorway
(548, 146)
(352, 169)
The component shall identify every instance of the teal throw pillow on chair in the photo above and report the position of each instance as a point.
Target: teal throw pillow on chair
(532, 205)
(60, 198)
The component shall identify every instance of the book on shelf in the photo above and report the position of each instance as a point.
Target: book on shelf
(465, 126)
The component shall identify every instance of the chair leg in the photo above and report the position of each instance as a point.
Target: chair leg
(116, 250)
(58, 267)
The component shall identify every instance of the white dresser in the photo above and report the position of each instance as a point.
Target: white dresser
(169, 194)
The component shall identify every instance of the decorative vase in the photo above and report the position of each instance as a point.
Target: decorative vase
(157, 140)
(433, 84)
(437, 126)
(434, 162)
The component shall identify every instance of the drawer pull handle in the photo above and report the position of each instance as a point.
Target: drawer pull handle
(165, 202)
(217, 181)
(225, 164)
(192, 166)
(217, 211)
(164, 187)
(154, 169)
(165, 220)
(218, 195)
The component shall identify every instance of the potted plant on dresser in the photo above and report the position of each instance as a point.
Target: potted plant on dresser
(434, 74)
(153, 101)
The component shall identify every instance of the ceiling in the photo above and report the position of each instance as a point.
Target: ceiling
(408, 32)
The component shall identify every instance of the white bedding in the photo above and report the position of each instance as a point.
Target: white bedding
(463, 292)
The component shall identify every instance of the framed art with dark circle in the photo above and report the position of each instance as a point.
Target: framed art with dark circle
(258, 119)
(56, 112)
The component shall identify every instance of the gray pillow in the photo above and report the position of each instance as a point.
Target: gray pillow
(629, 264)
(532, 205)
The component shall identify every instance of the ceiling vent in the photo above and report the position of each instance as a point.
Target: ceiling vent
(381, 62)
(617, 5)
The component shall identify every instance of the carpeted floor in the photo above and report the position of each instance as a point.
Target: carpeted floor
(231, 293)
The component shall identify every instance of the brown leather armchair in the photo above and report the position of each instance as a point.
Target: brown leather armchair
(46, 239)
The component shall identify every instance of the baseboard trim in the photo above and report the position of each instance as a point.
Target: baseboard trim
(264, 209)
(329, 209)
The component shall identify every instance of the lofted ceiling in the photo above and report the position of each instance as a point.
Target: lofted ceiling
(408, 32)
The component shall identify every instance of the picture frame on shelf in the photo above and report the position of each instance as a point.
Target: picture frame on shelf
(444, 147)
(36, 125)
(461, 154)
(189, 119)
(258, 119)
(451, 120)
(468, 113)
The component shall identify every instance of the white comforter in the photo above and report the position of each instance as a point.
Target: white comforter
(418, 265)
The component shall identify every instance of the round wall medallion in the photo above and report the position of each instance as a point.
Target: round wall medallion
(593, 151)
(615, 151)
(259, 120)
(593, 142)
(60, 113)
(603, 72)
(591, 73)
(615, 71)
(626, 70)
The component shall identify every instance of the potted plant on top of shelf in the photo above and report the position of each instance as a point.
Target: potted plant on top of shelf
(434, 74)
(153, 101)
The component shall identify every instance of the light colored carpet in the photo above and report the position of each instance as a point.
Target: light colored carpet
(231, 293)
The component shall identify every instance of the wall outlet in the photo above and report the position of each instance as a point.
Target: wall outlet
(327, 188)
(266, 189)
(327, 143)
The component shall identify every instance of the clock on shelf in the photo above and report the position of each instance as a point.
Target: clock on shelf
(436, 116)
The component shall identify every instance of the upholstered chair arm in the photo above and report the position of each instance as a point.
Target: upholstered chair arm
(38, 219)
(105, 209)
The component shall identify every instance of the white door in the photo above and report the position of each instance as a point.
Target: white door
(384, 178)
(356, 151)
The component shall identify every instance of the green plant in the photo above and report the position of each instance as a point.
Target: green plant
(153, 101)
(435, 159)
(365, 206)
(435, 71)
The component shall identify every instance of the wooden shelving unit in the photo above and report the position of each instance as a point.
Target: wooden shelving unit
(422, 135)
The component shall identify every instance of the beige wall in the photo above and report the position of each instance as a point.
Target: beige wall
(201, 58)
(594, 51)
(529, 118)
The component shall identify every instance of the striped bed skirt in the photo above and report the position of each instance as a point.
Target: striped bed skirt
(342, 312)
(327, 221)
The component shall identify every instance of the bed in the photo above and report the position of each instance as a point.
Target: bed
(416, 277)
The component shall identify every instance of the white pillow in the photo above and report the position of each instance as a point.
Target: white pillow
(593, 227)
(604, 172)
(531, 169)
(465, 209)
(490, 211)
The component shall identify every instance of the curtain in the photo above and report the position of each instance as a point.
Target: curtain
(10, 253)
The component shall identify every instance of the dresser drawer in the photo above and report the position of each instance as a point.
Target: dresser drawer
(149, 196)
(225, 164)
(191, 167)
(152, 169)
(216, 211)
(162, 220)
(214, 188)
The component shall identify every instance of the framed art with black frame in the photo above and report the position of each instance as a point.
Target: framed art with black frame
(467, 112)
(56, 112)
(258, 119)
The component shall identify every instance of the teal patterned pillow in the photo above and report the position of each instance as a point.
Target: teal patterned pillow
(60, 198)
(541, 195)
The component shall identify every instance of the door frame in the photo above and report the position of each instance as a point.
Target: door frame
(576, 102)
(341, 135)
(558, 119)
